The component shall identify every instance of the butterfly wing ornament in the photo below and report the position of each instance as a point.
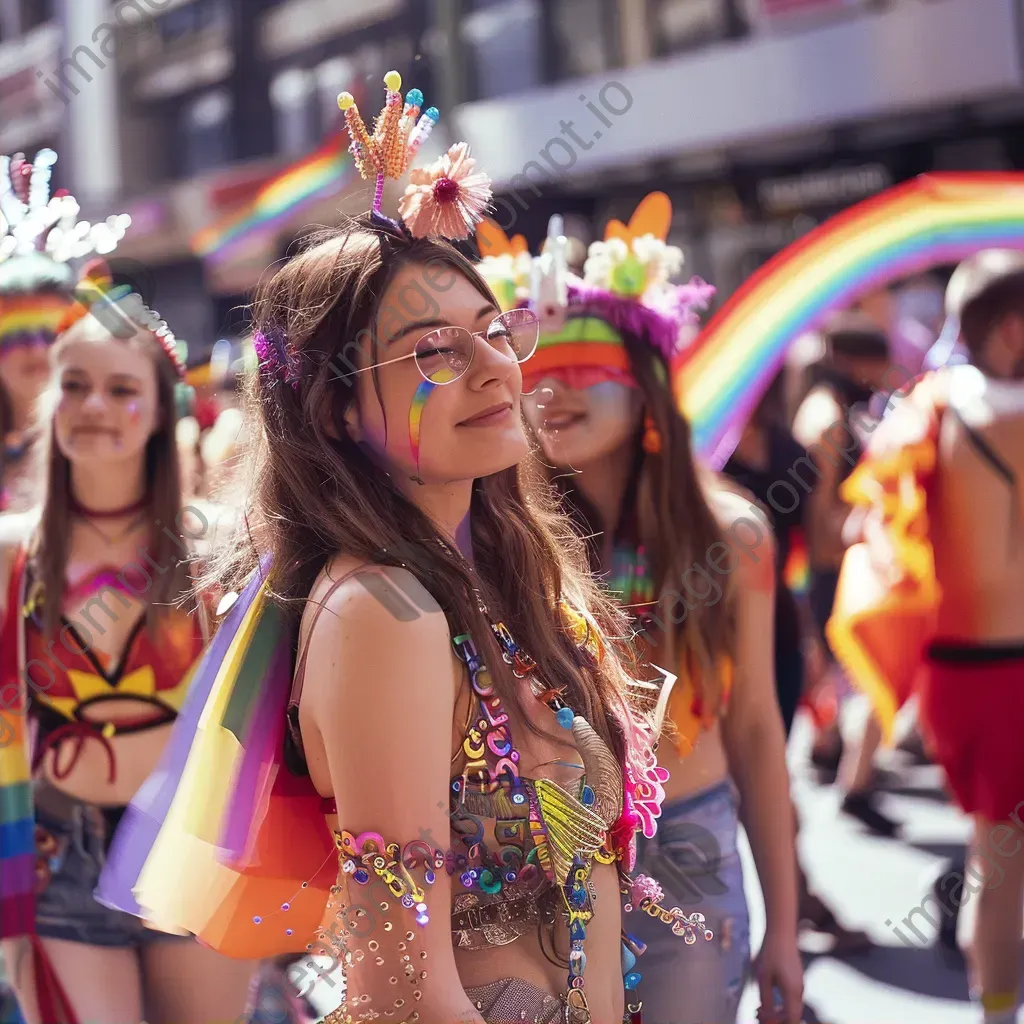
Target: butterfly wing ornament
(572, 829)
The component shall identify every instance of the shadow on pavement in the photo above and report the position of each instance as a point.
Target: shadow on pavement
(921, 971)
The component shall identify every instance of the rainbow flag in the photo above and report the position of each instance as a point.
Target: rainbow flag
(934, 219)
(222, 840)
(17, 815)
(324, 172)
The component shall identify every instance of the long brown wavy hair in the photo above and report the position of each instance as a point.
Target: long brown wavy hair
(666, 510)
(316, 492)
(49, 546)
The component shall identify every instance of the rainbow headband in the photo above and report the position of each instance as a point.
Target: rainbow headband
(31, 319)
(585, 342)
(931, 220)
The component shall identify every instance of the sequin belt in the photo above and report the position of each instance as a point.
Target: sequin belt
(505, 912)
(482, 920)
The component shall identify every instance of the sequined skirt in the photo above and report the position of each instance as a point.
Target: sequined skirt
(513, 1001)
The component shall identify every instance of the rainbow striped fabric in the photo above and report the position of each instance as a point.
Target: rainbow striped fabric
(17, 818)
(934, 219)
(323, 173)
(222, 840)
(31, 319)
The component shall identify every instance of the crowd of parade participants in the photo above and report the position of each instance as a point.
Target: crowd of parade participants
(513, 609)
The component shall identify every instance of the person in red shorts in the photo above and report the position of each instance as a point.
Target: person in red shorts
(932, 598)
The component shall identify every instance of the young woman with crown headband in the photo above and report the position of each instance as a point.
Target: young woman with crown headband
(463, 771)
(95, 662)
(675, 548)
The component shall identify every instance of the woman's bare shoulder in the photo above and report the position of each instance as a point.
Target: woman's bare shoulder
(369, 609)
(746, 529)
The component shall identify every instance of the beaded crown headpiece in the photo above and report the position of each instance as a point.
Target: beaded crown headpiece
(505, 264)
(123, 312)
(519, 279)
(40, 237)
(445, 200)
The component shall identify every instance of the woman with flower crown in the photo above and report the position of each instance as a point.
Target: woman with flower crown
(95, 662)
(413, 748)
(696, 573)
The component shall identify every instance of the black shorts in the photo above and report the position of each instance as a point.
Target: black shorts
(72, 839)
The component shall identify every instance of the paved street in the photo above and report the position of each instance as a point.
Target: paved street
(869, 881)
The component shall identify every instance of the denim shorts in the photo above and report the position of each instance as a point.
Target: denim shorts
(695, 858)
(72, 839)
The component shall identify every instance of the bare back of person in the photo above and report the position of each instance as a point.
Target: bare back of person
(977, 528)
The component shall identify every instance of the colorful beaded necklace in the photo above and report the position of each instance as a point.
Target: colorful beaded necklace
(568, 833)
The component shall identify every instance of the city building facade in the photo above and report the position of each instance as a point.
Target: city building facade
(758, 117)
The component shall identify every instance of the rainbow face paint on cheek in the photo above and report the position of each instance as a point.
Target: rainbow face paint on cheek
(419, 400)
(133, 413)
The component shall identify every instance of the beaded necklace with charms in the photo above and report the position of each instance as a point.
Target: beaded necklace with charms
(570, 833)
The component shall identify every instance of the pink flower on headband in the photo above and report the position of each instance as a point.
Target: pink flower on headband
(448, 198)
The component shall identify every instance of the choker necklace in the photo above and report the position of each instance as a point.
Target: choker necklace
(78, 509)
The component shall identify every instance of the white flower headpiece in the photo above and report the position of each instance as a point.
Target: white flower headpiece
(31, 221)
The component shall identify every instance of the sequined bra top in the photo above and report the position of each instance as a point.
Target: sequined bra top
(71, 682)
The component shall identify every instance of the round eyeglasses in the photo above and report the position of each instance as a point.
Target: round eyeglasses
(444, 354)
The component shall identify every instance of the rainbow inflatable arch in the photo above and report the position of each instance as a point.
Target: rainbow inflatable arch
(931, 220)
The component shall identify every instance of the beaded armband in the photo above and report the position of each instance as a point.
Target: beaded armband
(364, 932)
(367, 855)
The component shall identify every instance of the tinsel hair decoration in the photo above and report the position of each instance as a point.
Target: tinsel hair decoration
(446, 199)
(33, 221)
(274, 358)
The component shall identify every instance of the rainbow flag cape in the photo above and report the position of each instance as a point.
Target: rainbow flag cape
(884, 615)
(931, 220)
(324, 172)
(222, 840)
(17, 815)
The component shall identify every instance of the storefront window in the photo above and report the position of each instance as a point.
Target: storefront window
(679, 25)
(332, 77)
(206, 132)
(36, 12)
(503, 40)
(293, 95)
(582, 34)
